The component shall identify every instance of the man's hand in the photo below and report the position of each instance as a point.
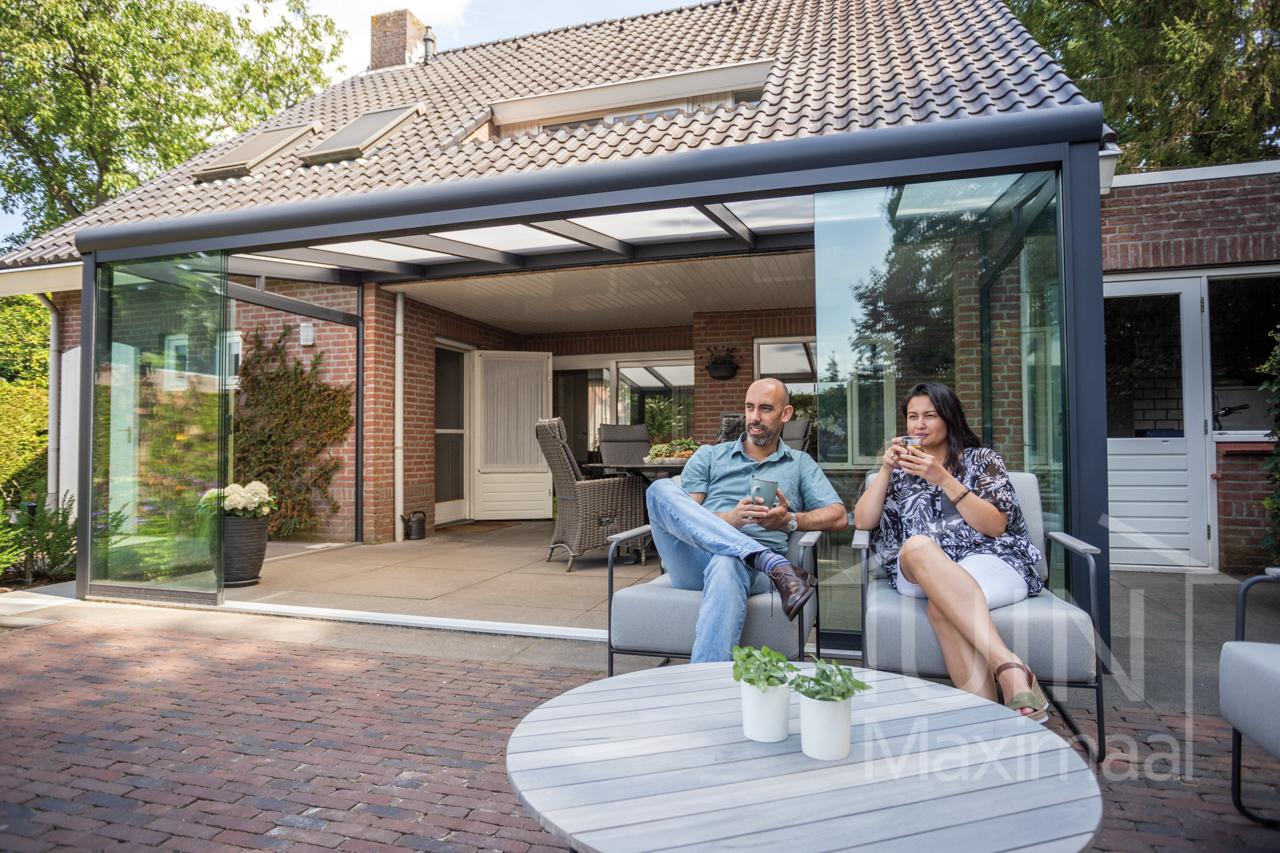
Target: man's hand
(748, 511)
(777, 518)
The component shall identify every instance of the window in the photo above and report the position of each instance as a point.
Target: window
(174, 374)
(794, 362)
(239, 161)
(658, 394)
(1242, 313)
(356, 137)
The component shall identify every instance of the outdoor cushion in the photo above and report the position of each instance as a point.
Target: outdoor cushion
(1249, 691)
(1054, 638)
(656, 617)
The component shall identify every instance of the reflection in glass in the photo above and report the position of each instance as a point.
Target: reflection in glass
(159, 421)
(659, 396)
(794, 364)
(1144, 366)
(952, 281)
(1242, 313)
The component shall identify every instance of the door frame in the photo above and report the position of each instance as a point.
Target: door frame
(1192, 292)
(461, 509)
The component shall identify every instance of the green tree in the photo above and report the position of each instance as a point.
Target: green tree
(24, 341)
(97, 96)
(1183, 82)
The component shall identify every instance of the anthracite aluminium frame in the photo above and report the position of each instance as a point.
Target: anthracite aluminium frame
(1065, 139)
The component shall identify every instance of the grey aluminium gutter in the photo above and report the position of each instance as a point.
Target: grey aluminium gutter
(570, 190)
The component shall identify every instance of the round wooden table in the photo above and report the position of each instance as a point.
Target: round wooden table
(656, 760)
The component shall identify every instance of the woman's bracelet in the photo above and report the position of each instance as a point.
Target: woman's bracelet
(962, 496)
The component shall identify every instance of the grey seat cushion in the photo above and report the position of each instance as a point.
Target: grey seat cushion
(1053, 637)
(1249, 691)
(656, 617)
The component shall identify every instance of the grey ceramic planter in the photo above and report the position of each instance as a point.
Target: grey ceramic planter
(244, 546)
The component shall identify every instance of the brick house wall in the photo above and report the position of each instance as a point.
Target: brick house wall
(1205, 223)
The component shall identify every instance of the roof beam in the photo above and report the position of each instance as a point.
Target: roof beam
(728, 222)
(445, 246)
(587, 236)
(342, 259)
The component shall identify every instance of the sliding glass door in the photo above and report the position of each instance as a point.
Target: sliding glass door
(160, 413)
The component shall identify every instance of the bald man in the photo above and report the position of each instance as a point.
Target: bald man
(714, 537)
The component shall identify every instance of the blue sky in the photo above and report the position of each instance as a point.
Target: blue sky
(455, 22)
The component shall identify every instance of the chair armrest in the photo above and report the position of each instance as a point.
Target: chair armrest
(1272, 576)
(1073, 544)
(861, 540)
(810, 538)
(628, 535)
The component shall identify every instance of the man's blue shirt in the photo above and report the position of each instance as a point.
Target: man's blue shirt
(723, 473)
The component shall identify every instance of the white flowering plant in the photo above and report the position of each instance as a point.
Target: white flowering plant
(253, 500)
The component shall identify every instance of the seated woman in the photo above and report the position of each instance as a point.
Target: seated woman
(946, 526)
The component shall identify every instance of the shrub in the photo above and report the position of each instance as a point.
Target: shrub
(24, 424)
(287, 419)
(1272, 466)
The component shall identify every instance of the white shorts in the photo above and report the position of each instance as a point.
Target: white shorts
(1001, 583)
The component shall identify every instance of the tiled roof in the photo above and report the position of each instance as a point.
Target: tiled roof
(841, 66)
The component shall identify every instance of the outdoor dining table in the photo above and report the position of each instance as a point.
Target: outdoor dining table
(648, 470)
(656, 760)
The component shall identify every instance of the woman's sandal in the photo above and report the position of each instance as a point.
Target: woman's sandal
(1032, 698)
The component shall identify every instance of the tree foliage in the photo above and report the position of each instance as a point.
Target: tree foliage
(97, 96)
(1183, 82)
(287, 420)
(24, 341)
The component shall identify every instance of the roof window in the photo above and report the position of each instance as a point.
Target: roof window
(356, 137)
(239, 161)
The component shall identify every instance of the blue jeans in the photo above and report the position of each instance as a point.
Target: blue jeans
(700, 550)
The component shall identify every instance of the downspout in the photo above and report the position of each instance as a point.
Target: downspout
(398, 439)
(55, 405)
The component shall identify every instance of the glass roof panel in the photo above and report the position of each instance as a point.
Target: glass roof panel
(383, 251)
(653, 226)
(639, 377)
(773, 215)
(520, 239)
(676, 375)
(973, 195)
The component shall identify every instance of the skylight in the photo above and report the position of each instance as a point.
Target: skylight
(648, 226)
(358, 135)
(513, 238)
(239, 161)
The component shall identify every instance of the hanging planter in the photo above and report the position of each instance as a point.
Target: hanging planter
(721, 365)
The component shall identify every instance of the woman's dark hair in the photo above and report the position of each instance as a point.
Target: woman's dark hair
(947, 405)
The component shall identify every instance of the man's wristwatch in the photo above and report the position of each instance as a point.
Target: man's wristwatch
(793, 523)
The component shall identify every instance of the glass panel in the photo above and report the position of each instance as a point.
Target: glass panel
(793, 363)
(513, 238)
(1241, 314)
(383, 251)
(449, 467)
(361, 131)
(1144, 367)
(160, 412)
(449, 393)
(773, 215)
(659, 396)
(949, 281)
(653, 226)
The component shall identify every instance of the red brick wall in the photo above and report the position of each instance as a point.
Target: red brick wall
(737, 329)
(1242, 520)
(1193, 223)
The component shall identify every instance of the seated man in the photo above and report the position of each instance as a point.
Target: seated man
(714, 537)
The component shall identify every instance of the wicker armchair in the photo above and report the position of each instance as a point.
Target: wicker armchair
(588, 512)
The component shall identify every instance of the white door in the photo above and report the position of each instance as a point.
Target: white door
(1157, 428)
(122, 463)
(512, 391)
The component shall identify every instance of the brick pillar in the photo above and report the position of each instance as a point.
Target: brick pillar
(379, 413)
(420, 328)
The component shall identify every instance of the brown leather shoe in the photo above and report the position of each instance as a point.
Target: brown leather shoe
(794, 585)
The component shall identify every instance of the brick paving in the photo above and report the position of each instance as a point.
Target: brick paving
(135, 739)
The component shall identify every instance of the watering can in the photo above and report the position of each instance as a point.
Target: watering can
(415, 525)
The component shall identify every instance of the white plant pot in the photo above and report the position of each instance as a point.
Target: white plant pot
(765, 712)
(825, 729)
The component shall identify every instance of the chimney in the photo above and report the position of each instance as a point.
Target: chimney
(396, 38)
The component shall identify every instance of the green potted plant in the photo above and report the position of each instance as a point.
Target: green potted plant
(721, 364)
(766, 701)
(825, 715)
(242, 512)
